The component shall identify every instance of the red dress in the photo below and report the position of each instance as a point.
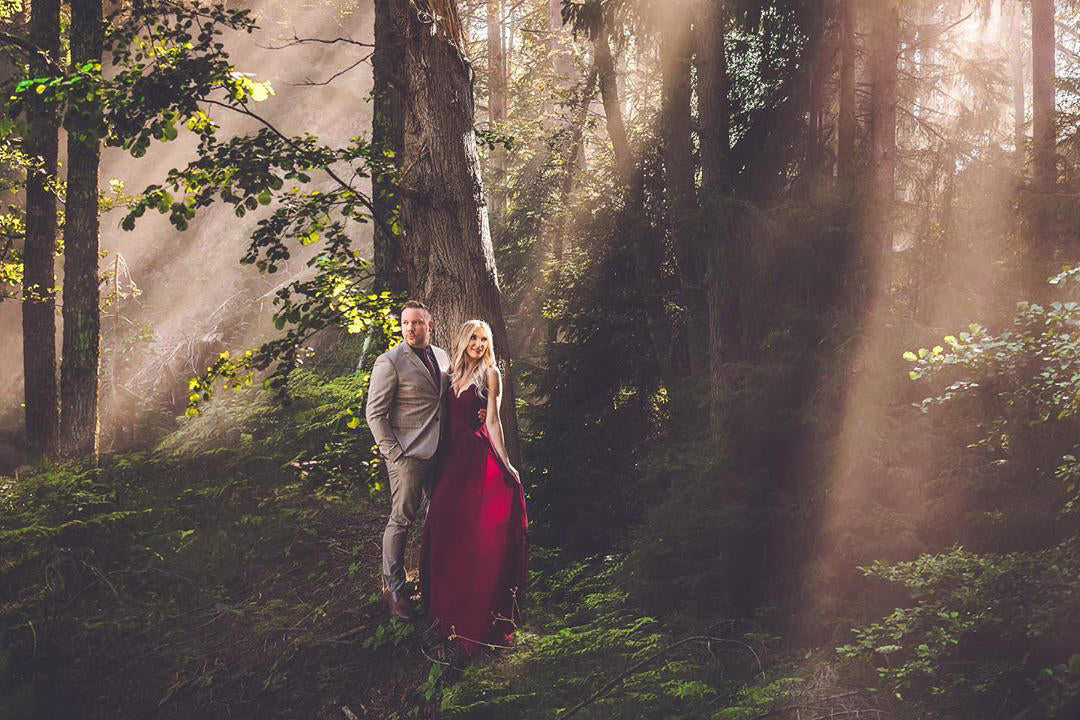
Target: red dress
(472, 564)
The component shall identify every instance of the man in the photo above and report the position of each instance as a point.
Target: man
(403, 411)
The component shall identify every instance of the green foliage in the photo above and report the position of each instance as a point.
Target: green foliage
(232, 556)
(587, 641)
(990, 629)
(983, 631)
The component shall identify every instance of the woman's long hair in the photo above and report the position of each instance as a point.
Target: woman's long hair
(458, 363)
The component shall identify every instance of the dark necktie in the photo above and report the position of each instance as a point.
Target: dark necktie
(426, 355)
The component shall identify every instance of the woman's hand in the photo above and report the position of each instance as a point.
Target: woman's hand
(514, 473)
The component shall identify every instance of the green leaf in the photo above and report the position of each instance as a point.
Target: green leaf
(910, 356)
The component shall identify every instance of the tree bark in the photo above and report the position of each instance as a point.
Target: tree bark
(446, 256)
(713, 106)
(387, 135)
(713, 113)
(39, 291)
(1044, 140)
(497, 101)
(82, 315)
(1017, 71)
(884, 73)
(845, 123)
(609, 96)
(675, 61)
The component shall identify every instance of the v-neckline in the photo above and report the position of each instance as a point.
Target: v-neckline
(457, 395)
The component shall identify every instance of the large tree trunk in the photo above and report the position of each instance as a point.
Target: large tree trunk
(886, 48)
(1044, 139)
(713, 113)
(82, 321)
(712, 96)
(845, 122)
(387, 131)
(446, 251)
(39, 292)
(675, 58)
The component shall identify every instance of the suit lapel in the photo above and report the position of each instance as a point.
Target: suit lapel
(418, 364)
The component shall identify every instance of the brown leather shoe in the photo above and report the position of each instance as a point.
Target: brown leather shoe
(399, 605)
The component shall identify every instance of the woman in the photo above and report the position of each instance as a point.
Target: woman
(472, 565)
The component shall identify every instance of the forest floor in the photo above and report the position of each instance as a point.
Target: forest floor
(210, 578)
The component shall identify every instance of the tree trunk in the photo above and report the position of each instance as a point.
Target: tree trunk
(633, 228)
(845, 123)
(82, 321)
(569, 158)
(676, 52)
(1017, 70)
(884, 60)
(497, 104)
(39, 292)
(713, 113)
(446, 256)
(609, 96)
(387, 129)
(1044, 141)
(712, 96)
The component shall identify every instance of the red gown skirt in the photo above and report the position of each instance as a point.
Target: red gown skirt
(473, 558)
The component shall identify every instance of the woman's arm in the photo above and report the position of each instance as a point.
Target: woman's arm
(494, 424)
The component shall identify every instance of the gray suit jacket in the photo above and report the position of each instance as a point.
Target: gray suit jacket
(404, 405)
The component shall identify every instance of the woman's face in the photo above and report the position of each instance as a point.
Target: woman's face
(477, 346)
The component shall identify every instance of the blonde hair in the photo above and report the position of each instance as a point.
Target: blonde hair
(458, 365)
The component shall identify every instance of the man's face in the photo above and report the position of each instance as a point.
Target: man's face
(416, 327)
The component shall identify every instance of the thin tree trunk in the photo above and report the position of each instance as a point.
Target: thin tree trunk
(570, 156)
(1044, 141)
(496, 99)
(82, 314)
(633, 228)
(1017, 68)
(447, 257)
(387, 128)
(883, 131)
(845, 124)
(609, 96)
(675, 61)
(39, 293)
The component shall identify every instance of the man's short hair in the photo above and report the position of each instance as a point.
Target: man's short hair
(415, 304)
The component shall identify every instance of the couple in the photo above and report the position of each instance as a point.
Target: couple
(436, 420)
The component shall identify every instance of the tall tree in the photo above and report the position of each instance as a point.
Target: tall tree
(387, 134)
(497, 97)
(1044, 139)
(1016, 67)
(446, 251)
(676, 51)
(82, 315)
(39, 298)
(714, 117)
(884, 55)
(713, 109)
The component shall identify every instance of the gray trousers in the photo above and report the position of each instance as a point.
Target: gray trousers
(410, 479)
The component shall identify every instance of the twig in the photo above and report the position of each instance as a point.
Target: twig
(611, 684)
(335, 76)
(321, 41)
